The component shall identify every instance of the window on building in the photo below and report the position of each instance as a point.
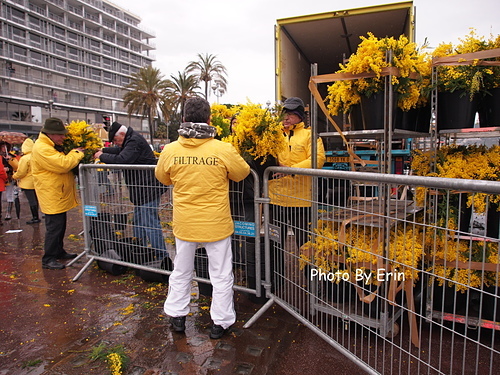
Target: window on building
(60, 64)
(107, 77)
(106, 62)
(18, 32)
(74, 68)
(95, 73)
(95, 44)
(35, 22)
(3, 109)
(78, 116)
(36, 58)
(35, 39)
(59, 31)
(73, 52)
(61, 48)
(16, 13)
(95, 59)
(21, 113)
(20, 51)
(73, 36)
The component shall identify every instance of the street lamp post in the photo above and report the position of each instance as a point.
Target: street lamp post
(218, 90)
(51, 103)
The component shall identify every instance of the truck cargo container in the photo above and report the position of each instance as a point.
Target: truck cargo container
(327, 39)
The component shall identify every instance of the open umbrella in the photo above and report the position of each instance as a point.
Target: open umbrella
(14, 138)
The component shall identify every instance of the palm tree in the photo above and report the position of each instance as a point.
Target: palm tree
(145, 92)
(178, 89)
(208, 68)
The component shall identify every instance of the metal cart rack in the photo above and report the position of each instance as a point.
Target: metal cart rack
(447, 136)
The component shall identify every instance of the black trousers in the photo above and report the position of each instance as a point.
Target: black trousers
(55, 229)
(31, 196)
(297, 218)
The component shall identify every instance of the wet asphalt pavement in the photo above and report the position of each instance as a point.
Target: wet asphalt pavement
(52, 325)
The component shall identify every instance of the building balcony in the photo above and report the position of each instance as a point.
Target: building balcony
(59, 3)
(37, 9)
(75, 10)
(56, 17)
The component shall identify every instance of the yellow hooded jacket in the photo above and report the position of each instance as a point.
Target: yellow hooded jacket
(200, 170)
(295, 191)
(23, 173)
(53, 177)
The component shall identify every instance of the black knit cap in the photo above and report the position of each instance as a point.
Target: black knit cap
(54, 125)
(113, 129)
(295, 105)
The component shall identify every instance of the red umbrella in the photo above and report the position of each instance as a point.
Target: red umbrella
(14, 138)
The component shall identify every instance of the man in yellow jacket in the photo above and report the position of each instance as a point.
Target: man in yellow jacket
(55, 187)
(291, 194)
(200, 167)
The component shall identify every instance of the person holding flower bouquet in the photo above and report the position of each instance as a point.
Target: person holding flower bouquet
(55, 187)
(145, 190)
(291, 195)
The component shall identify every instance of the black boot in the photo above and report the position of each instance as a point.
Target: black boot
(9, 210)
(34, 213)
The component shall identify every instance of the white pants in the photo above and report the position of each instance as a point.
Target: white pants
(220, 268)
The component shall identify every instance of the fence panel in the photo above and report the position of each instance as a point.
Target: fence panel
(120, 234)
(400, 273)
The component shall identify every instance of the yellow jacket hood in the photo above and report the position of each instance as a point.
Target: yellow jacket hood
(23, 172)
(27, 146)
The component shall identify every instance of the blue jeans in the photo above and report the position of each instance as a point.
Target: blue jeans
(147, 227)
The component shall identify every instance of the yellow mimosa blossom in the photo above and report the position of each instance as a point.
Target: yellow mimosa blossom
(472, 77)
(258, 132)
(115, 363)
(81, 134)
(411, 84)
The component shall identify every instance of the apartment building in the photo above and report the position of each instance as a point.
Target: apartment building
(68, 59)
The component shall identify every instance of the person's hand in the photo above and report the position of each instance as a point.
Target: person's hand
(279, 174)
(81, 149)
(97, 154)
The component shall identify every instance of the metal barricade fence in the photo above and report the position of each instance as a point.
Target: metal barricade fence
(120, 234)
(400, 273)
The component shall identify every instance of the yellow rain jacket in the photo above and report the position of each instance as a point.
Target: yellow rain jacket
(23, 173)
(295, 191)
(54, 181)
(200, 170)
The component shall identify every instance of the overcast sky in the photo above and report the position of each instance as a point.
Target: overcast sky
(241, 32)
